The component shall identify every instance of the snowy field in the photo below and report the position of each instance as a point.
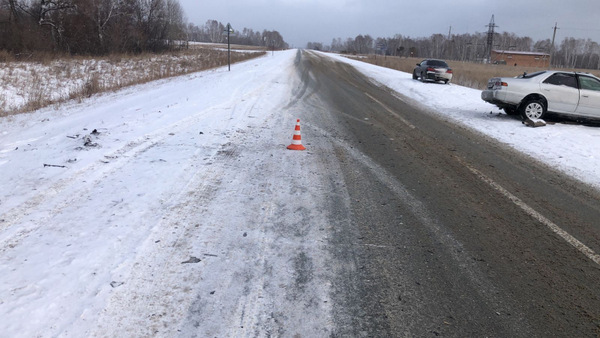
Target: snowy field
(26, 84)
(173, 207)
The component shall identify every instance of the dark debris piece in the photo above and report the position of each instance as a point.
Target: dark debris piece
(115, 284)
(192, 260)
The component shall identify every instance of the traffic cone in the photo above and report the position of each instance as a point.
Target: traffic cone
(297, 140)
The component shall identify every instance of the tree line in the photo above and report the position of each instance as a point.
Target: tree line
(90, 26)
(570, 53)
(212, 31)
(98, 27)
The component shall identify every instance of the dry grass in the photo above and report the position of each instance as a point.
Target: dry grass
(473, 75)
(30, 85)
(6, 56)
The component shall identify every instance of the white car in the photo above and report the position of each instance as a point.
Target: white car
(533, 95)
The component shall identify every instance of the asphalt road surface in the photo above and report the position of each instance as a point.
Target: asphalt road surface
(450, 233)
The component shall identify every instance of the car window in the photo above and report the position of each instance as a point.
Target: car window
(437, 63)
(562, 79)
(589, 83)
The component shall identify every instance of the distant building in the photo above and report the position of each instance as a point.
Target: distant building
(526, 59)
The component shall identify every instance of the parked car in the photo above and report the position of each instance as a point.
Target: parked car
(436, 70)
(533, 95)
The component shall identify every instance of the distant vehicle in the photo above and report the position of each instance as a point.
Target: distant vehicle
(533, 95)
(436, 70)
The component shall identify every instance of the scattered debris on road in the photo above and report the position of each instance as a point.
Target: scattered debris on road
(115, 284)
(192, 260)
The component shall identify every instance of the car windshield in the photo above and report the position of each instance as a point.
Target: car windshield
(529, 76)
(437, 63)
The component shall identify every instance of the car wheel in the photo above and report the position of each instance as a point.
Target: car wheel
(446, 81)
(533, 109)
(415, 75)
(423, 77)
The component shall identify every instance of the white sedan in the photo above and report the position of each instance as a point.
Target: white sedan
(533, 95)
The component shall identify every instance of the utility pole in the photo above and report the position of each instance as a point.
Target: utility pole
(552, 47)
(228, 30)
(490, 38)
(449, 44)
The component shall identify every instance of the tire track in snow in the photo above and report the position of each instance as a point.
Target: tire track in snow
(156, 293)
(80, 184)
(134, 308)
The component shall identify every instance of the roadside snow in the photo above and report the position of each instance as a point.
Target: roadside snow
(173, 208)
(571, 148)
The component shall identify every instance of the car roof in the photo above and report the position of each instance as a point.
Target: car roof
(569, 72)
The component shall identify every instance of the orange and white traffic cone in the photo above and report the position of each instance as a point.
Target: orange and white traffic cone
(297, 140)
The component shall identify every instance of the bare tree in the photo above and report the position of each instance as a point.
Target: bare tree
(174, 22)
(273, 39)
(215, 30)
(314, 46)
(105, 26)
(52, 13)
(363, 44)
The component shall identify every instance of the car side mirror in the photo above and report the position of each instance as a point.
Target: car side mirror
(418, 64)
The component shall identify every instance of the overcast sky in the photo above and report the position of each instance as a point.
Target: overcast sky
(302, 21)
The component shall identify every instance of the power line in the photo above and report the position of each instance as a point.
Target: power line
(581, 29)
(490, 38)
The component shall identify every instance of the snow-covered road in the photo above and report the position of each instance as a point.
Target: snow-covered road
(194, 170)
(184, 212)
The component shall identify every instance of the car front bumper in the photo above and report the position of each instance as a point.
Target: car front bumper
(489, 96)
(498, 98)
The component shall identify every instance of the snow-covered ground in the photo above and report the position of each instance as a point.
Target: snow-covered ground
(192, 169)
(174, 207)
(23, 84)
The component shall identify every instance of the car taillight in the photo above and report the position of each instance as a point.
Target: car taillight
(449, 71)
(430, 69)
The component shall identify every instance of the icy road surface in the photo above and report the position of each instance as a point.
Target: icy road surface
(174, 209)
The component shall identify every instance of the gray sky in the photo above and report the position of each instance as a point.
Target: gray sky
(302, 21)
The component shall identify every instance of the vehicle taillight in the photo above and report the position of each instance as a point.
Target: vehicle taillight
(430, 69)
(449, 71)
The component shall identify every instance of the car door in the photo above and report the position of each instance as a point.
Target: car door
(589, 101)
(561, 92)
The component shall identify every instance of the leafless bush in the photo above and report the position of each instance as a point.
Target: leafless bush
(92, 85)
(36, 94)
